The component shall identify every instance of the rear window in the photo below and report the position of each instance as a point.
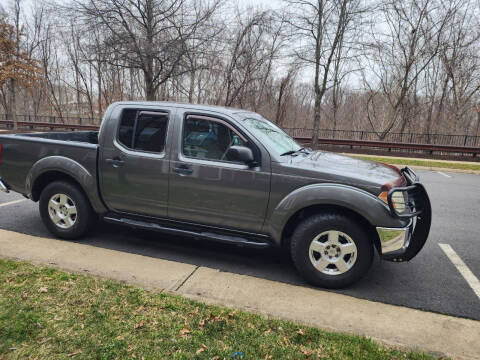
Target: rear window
(127, 123)
(150, 129)
(150, 132)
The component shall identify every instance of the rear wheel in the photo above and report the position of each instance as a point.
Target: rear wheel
(65, 210)
(331, 250)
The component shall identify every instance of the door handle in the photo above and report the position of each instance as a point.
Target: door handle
(116, 162)
(183, 170)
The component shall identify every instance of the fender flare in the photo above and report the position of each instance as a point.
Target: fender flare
(71, 168)
(359, 201)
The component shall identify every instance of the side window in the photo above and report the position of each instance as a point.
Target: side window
(127, 123)
(150, 132)
(143, 130)
(204, 139)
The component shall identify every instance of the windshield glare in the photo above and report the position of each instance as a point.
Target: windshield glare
(270, 134)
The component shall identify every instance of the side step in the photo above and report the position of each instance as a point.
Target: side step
(203, 235)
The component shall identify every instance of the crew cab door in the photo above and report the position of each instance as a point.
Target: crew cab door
(206, 188)
(134, 167)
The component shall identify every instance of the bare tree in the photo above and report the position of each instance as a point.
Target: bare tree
(399, 55)
(149, 35)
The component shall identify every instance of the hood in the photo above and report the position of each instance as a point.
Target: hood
(332, 167)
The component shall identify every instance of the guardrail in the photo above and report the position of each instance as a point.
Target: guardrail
(395, 137)
(50, 126)
(468, 150)
(393, 145)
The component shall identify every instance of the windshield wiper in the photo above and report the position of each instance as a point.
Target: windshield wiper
(291, 152)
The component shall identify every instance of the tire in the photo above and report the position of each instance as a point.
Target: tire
(324, 265)
(70, 221)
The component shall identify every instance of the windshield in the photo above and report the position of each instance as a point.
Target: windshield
(270, 134)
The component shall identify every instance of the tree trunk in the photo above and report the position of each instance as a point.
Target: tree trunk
(316, 120)
(13, 103)
(149, 87)
(191, 90)
(99, 78)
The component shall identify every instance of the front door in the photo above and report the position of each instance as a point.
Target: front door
(207, 188)
(134, 166)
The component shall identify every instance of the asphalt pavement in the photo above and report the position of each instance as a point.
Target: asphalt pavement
(428, 282)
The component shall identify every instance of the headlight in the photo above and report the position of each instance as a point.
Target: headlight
(398, 200)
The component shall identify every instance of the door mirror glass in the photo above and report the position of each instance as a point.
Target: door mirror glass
(241, 154)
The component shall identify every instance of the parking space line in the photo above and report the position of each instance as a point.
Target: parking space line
(442, 173)
(467, 274)
(12, 202)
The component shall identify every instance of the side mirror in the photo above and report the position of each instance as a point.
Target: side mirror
(241, 154)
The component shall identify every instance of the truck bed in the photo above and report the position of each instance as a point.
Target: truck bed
(20, 153)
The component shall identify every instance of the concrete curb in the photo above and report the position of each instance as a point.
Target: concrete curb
(394, 325)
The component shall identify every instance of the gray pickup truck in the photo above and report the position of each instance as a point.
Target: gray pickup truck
(221, 174)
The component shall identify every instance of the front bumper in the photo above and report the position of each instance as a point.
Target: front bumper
(395, 241)
(403, 244)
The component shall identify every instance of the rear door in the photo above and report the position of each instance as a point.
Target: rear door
(134, 163)
(205, 187)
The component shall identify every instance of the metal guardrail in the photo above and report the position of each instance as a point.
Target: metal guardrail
(393, 145)
(470, 150)
(50, 126)
(396, 137)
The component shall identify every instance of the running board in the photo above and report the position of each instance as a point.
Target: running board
(204, 235)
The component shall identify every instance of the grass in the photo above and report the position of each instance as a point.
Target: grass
(421, 162)
(51, 314)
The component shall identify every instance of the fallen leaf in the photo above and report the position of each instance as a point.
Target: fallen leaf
(75, 353)
(232, 314)
(268, 331)
(306, 352)
(214, 317)
(285, 340)
(139, 325)
(185, 331)
(199, 351)
(43, 289)
(45, 340)
(300, 332)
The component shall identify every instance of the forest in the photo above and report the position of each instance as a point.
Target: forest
(382, 66)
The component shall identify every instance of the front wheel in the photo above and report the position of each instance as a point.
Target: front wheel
(331, 250)
(65, 210)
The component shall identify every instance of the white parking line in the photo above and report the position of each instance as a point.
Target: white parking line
(12, 202)
(467, 274)
(441, 173)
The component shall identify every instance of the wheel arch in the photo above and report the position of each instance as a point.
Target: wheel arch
(315, 209)
(56, 168)
(48, 177)
(314, 198)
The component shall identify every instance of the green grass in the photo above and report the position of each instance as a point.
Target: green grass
(421, 162)
(50, 314)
